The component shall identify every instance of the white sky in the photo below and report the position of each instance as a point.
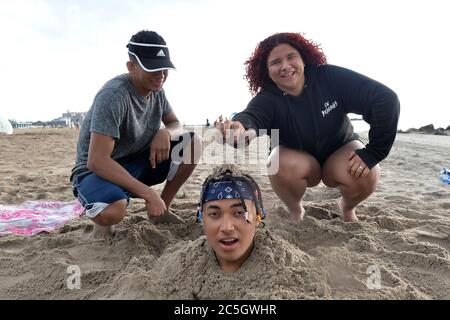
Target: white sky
(56, 54)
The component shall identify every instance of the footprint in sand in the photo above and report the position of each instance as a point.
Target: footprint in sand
(320, 213)
(135, 219)
(441, 194)
(445, 205)
(397, 198)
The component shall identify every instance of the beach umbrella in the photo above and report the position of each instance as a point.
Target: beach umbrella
(5, 126)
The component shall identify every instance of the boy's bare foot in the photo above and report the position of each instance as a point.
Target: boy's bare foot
(168, 217)
(348, 215)
(103, 232)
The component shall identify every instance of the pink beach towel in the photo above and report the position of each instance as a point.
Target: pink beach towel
(33, 217)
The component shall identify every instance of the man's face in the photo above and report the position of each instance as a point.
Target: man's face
(146, 82)
(228, 233)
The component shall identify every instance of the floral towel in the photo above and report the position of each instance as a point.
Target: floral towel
(33, 217)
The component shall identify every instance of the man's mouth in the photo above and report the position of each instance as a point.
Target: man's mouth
(229, 243)
(158, 81)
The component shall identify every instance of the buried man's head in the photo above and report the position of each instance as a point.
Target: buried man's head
(230, 207)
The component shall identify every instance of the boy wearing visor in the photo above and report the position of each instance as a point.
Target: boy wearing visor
(123, 149)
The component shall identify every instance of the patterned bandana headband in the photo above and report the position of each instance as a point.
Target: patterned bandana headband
(227, 190)
(227, 186)
(222, 190)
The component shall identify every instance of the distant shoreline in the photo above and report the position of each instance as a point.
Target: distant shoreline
(429, 129)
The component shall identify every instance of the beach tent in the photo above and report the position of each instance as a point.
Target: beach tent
(5, 126)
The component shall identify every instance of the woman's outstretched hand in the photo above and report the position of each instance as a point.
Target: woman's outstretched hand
(233, 132)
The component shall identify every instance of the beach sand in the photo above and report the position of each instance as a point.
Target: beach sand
(401, 251)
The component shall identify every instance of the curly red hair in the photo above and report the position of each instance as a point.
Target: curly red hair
(256, 66)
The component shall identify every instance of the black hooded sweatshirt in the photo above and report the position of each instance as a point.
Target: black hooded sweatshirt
(316, 121)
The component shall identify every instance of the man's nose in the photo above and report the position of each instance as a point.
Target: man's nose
(159, 74)
(227, 224)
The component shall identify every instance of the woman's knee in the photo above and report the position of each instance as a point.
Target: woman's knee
(365, 185)
(294, 165)
(372, 179)
(112, 214)
(335, 169)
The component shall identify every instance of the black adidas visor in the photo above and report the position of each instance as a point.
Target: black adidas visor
(151, 57)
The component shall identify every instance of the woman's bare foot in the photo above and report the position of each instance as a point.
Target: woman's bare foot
(297, 214)
(103, 232)
(348, 215)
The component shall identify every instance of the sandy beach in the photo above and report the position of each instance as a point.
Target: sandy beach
(400, 251)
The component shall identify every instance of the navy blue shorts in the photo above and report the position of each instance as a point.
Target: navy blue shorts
(96, 193)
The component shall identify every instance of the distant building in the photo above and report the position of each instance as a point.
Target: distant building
(68, 119)
(17, 124)
(60, 122)
(74, 116)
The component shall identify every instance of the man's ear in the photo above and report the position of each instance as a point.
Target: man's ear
(131, 67)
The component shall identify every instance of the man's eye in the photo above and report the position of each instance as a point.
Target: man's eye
(239, 213)
(213, 214)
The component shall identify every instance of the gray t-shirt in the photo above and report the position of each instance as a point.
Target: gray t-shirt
(120, 112)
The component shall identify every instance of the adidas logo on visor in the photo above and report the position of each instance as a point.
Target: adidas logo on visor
(151, 57)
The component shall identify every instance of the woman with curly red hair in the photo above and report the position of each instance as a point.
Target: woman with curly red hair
(307, 100)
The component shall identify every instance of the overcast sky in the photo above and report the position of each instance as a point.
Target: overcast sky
(56, 54)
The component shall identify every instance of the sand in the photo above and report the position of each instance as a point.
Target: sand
(401, 251)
